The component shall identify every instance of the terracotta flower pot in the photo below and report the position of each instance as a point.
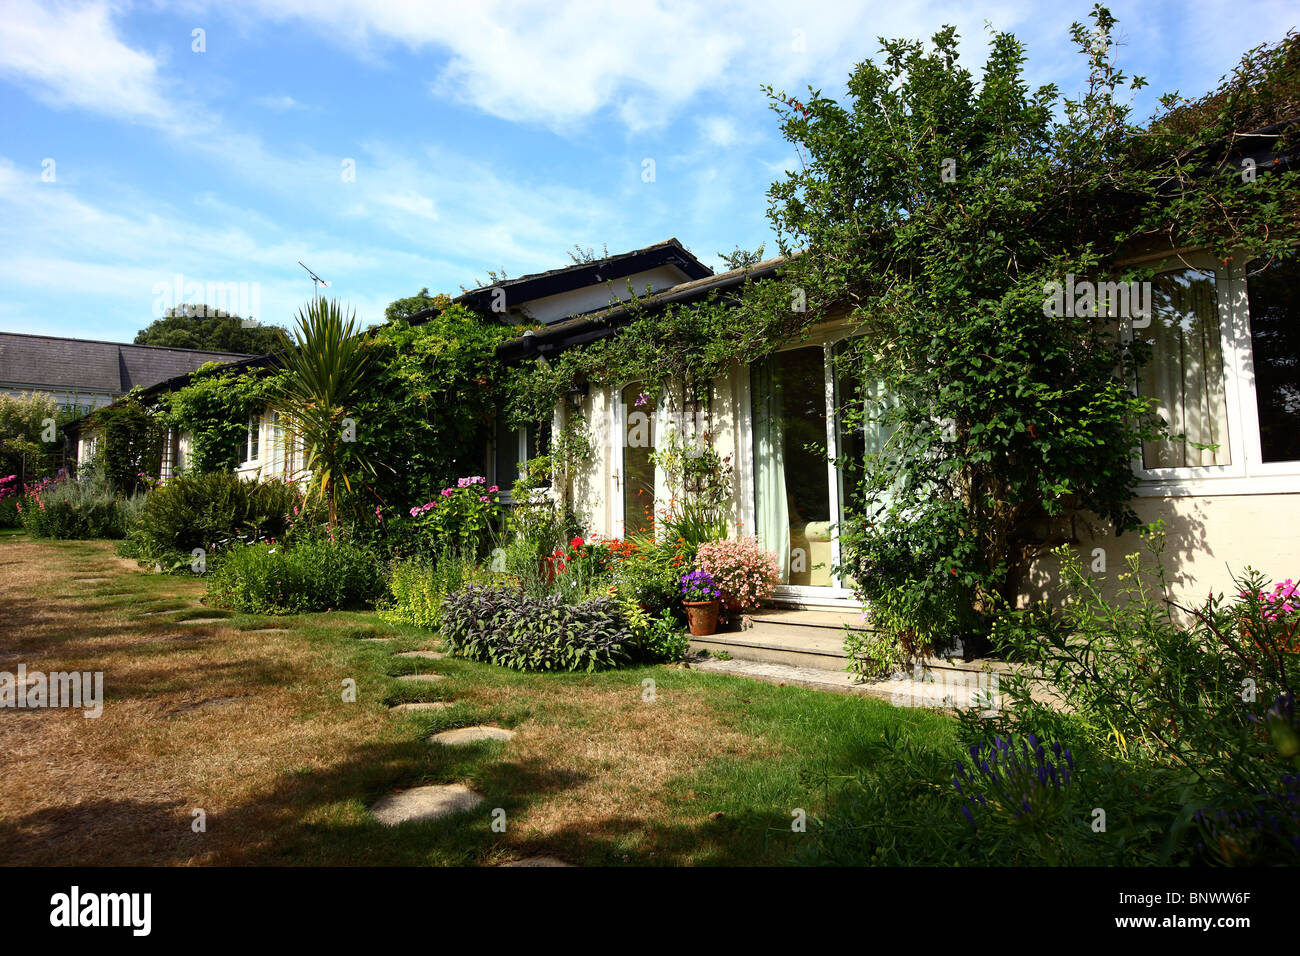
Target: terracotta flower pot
(702, 617)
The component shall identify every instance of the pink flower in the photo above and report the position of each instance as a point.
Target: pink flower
(493, 490)
(415, 511)
(448, 492)
(483, 498)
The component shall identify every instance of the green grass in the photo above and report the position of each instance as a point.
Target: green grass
(709, 772)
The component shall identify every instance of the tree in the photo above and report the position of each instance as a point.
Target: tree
(324, 375)
(130, 443)
(414, 304)
(935, 210)
(31, 435)
(445, 371)
(740, 258)
(205, 328)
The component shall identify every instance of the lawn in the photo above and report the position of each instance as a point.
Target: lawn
(244, 718)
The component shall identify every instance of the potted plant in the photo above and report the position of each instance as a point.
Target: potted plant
(741, 569)
(702, 601)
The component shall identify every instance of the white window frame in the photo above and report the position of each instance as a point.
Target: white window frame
(254, 428)
(1246, 473)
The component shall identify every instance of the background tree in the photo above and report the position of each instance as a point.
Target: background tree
(740, 258)
(203, 327)
(23, 429)
(414, 304)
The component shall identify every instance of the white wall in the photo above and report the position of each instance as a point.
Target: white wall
(553, 308)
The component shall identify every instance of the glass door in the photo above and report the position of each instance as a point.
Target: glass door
(793, 492)
(635, 479)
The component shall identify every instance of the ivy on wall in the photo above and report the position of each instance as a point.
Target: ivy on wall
(214, 410)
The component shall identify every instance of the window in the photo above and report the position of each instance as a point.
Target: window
(254, 437)
(1185, 373)
(514, 447)
(1275, 349)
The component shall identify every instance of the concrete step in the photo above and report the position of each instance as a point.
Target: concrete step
(938, 694)
(819, 650)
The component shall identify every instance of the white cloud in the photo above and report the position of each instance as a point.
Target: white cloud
(561, 64)
(279, 104)
(71, 56)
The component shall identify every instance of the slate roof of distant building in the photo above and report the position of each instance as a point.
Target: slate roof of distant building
(53, 362)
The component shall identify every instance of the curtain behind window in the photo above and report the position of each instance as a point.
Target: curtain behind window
(1185, 373)
(771, 509)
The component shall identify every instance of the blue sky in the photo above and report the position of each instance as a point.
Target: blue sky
(482, 135)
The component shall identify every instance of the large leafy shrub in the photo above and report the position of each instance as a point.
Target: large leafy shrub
(29, 448)
(214, 409)
(209, 511)
(312, 575)
(445, 370)
(938, 206)
(129, 444)
(505, 626)
(75, 510)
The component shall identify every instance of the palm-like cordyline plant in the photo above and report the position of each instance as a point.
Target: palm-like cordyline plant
(323, 376)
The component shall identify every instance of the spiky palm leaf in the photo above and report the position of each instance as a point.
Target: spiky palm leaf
(323, 375)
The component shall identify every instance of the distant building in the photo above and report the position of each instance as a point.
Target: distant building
(83, 375)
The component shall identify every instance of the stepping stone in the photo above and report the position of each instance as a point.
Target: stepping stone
(90, 580)
(426, 655)
(420, 804)
(378, 638)
(202, 620)
(421, 678)
(470, 735)
(537, 861)
(420, 705)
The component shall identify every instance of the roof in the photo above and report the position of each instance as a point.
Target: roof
(583, 274)
(596, 325)
(53, 362)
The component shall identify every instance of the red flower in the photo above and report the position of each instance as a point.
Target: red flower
(576, 543)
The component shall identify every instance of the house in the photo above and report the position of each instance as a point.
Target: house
(1226, 373)
(550, 299)
(176, 445)
(84, 374)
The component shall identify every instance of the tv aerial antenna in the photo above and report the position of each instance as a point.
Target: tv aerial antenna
(315, 281)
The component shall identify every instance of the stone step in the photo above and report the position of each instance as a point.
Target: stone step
(940, 694)
(818, 649)
(837, 621)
